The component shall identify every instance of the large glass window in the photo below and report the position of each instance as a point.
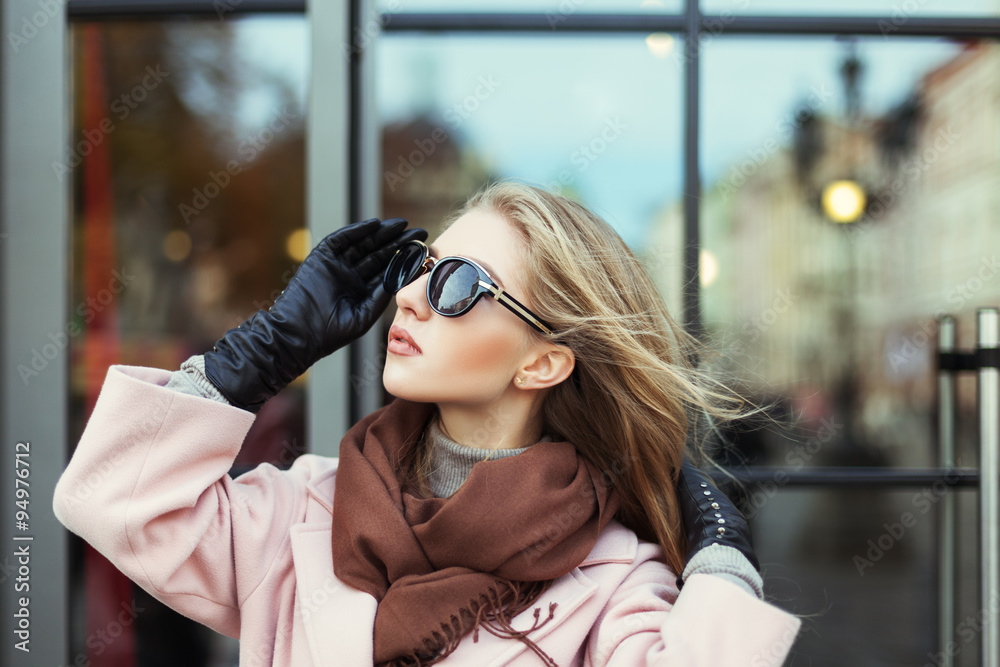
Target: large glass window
(597, 118)
(187, 166)
(849, 198)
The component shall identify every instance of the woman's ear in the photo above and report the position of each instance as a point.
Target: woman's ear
(552, 366)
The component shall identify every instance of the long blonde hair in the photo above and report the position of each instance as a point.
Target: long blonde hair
(629, 402)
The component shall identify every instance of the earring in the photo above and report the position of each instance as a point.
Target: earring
(519, 380)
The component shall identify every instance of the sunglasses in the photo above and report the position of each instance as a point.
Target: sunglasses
(455, 283)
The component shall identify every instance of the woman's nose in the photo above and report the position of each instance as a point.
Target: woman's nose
(413, 297)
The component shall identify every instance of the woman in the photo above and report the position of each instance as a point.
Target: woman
(527, 486)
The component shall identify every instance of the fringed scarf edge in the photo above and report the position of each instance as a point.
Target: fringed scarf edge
(490, 612)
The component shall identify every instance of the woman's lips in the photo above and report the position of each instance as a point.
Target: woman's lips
(401, 342)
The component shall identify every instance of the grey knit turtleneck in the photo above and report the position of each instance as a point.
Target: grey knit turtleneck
(451, 463)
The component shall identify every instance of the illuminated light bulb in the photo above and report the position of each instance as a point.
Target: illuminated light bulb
(843, 201)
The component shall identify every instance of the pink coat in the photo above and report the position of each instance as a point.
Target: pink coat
(148, 488)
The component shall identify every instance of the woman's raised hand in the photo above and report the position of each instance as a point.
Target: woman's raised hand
(334, 297)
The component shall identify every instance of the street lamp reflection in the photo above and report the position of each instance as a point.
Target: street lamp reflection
(843, 201)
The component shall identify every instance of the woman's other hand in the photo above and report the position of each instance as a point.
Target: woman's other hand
(710, 517)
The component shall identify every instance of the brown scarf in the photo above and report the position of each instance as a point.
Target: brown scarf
(440, 568)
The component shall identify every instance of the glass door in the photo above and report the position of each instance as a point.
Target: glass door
(187, 167)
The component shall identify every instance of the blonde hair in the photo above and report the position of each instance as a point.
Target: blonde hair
(630, 400)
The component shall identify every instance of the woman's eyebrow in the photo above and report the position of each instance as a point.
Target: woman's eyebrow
(489, 269)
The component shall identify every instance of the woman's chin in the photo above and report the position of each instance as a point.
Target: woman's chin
(401, 388)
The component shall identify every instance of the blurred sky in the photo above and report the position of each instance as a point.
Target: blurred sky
(560, 90)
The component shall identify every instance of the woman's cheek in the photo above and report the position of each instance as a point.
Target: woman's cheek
(457, 365)
(485, 360)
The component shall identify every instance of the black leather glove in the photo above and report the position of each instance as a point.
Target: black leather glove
(334, 297)
(710, 517)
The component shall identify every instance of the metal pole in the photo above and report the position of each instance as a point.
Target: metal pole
(368, 352)
(947, 510)
(988, 336)
(327, 195)
(690, 295)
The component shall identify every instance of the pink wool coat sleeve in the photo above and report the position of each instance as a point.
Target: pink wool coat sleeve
(148, 487)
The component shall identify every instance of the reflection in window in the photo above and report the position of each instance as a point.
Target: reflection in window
(848, 200)
(848, 560)
(187, 168)
(595, 118)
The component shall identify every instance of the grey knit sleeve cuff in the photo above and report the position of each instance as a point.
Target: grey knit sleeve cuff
(191, 379)
(728, 563)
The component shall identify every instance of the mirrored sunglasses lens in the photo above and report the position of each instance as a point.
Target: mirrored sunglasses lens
(404, 267)
(454, 288)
